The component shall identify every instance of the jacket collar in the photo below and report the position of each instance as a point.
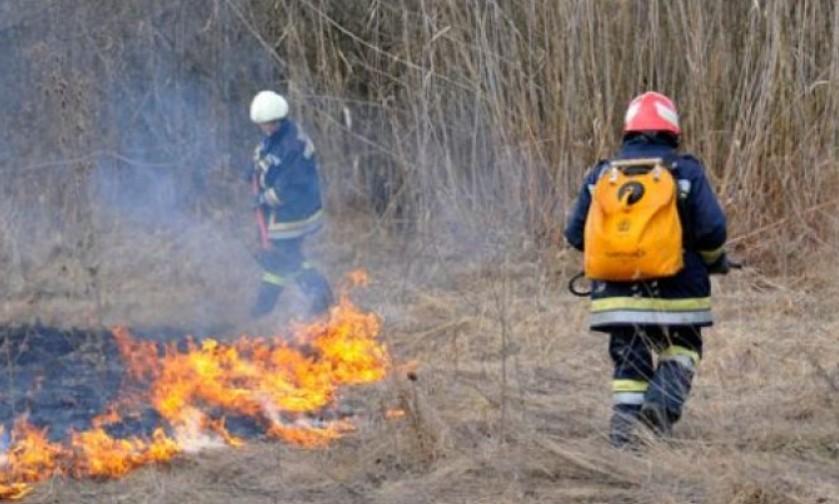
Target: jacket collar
(646, 146)
(276, 136)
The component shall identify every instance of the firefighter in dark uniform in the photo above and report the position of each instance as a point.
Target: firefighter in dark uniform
(663, 316)
(288, 199)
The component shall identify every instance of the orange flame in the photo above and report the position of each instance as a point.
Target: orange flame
(29, 458)
(283, 382)
(257, 377)
(395, 413)
(99, 455)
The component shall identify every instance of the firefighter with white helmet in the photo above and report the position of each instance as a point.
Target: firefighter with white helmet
(660, 309)
(288, 200)
(267, 107)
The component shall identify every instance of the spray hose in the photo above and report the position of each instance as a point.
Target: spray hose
(575, 289)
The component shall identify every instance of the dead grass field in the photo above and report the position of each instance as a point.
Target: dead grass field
(452, 136)
(511, 397)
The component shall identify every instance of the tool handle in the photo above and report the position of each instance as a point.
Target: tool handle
(260, 219)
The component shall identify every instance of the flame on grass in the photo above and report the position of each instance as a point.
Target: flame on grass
(283, 383)
(29, 456)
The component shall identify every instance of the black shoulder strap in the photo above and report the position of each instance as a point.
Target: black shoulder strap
(671, 161)
(598, 167)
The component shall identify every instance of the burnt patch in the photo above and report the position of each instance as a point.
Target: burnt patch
(61, 379)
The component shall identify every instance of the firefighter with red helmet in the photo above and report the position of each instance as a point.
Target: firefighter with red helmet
(649, 316)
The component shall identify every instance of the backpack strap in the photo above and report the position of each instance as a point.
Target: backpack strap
(598, 170)
(671, 161)
(684, 187)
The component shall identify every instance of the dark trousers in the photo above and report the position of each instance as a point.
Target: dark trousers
(284, 263)
(638, 382)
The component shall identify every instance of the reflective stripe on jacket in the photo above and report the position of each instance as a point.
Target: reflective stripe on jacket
(680, 300)
(294, 229)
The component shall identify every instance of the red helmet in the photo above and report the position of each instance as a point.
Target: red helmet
(651, 111)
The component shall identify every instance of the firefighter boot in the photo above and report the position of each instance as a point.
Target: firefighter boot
(657, 419)
(622, 425)
(315, 286)
(266, 298)
(666, 396)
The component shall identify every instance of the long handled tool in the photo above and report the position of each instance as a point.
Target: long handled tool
(260, 218)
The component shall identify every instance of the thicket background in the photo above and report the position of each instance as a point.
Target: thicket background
(463, 117)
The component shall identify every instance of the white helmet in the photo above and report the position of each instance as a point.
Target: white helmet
(268, 106)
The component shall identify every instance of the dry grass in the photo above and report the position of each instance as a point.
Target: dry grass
(470, 124)
(511, 401)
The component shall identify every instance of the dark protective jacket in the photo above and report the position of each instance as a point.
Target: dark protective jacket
(286, 173)
(680, 300)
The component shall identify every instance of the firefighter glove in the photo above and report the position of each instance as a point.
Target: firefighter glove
(268, 197)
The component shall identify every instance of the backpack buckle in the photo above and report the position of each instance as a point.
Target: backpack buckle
(657, 172)
(613, 175)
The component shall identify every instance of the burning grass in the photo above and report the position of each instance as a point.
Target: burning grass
(282, 384)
